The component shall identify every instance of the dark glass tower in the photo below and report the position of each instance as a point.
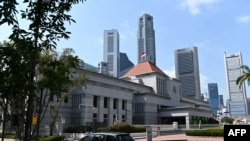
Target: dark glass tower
(214, 97)
(125, 64)
(187, 71)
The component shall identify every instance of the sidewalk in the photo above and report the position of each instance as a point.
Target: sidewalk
(182, 137)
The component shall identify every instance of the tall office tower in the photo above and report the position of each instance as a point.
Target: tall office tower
(111, 52)
(237, 100)
(187, 71)
(221, 101)
(213, 97)
(146, 39)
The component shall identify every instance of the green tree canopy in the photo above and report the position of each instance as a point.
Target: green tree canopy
(45, 27)
(244, 77)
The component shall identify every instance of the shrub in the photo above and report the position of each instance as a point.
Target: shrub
(74, 129)
(205, 120)
(227, 120)
(51, 138)
(216, 132)
(122, 127)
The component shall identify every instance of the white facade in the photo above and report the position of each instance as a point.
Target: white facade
(104, 100)
(187, 71)
(111, 51)
(158, 106)
(237, 100)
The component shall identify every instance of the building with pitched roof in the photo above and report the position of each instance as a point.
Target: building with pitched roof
(165, 104)
(144, 95)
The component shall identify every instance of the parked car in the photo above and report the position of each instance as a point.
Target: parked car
(107, 136)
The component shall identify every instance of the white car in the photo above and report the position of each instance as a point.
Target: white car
(107, 136)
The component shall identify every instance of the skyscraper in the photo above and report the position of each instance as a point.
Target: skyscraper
(187, 71)
(111, 51)
(214, 97)
(125, 64)
(221, 101)
(146, 39)
(237, 100)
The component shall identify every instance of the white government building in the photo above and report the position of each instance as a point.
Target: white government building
(145, 95)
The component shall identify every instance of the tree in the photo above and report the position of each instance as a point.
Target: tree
(13, 84)
(227, 120)
(46, 25)
(244, 77)
(57, 79)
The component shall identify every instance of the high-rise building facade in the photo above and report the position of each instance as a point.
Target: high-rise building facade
(214, 97)
(125, 64)
(146, 39)
(187, 71)
(111, 51)
(221, 101)
(237, 100)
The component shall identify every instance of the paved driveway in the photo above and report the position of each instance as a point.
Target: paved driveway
(182, 137)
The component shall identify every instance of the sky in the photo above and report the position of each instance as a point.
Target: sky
(214, 26)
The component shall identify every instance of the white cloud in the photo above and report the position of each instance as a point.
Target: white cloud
(170, 73)
(203, 83)
(126, 31)
(194, 5)
(244, 19)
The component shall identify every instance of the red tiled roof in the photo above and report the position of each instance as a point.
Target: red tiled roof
(143, 68)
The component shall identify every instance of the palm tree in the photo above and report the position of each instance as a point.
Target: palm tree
(245, 76)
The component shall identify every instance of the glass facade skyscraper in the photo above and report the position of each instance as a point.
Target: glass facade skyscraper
(146, 39)
(187, 71)
(237, 100)
(214, 97)
(111, 51)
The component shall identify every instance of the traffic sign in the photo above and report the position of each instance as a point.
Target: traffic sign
(158, 128)
(34, 118)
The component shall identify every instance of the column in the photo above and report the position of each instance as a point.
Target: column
(100, 109)
(187, 122)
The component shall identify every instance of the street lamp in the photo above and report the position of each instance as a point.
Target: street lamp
(86, 113)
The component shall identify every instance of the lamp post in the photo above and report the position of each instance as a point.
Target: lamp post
(86, 114)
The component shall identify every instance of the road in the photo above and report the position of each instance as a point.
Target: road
(182, 137)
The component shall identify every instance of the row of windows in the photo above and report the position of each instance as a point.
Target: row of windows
(188, 85)
(110, 43)
(139, 119)
(185, 63)
(76, 118)
(233, 63)
(110, 63)
(139, 107)
(161, 86)
(107, 101)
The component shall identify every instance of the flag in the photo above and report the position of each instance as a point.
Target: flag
(143, 54)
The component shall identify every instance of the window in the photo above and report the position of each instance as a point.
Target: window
(115, 118)
(66, 99)
(95, 118)
(115, 103)
(123, 118)
(105, 102)
(105, 119)
(123, 104)
(95, 101)
(174, 89)
(110, 138)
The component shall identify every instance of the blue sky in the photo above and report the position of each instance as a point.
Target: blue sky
(214, 26)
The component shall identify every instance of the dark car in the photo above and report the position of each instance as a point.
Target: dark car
(107, 136)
